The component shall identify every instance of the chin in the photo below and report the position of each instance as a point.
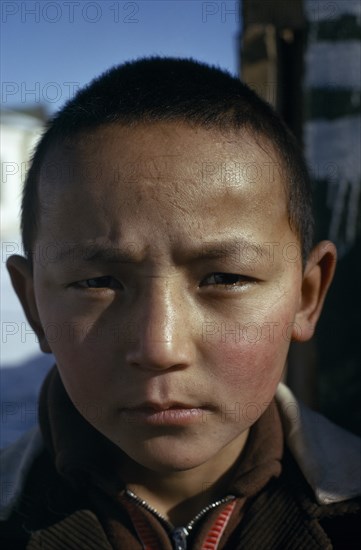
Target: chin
(168, 458)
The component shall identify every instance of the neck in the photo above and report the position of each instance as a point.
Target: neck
(180, 495)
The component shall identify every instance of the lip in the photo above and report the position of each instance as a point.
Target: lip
(156, 406)
(164, 414)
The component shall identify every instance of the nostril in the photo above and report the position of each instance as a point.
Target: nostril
(159, 353)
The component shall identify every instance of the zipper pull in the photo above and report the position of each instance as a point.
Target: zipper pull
(179, 537)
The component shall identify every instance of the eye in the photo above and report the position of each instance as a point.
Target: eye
(225, 279)
(106, 281)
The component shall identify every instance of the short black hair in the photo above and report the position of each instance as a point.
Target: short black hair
(171, 89)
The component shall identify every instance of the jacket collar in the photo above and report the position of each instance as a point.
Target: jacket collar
(328, 456)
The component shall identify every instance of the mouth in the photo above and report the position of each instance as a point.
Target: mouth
(165, 414)
(156, 406)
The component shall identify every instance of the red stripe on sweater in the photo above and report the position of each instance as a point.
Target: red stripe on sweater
(215, 533)
(144, 531)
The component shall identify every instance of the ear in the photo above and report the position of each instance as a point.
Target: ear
(22, 280)
(317, 277)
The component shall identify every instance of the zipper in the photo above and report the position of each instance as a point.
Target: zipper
(178, 535)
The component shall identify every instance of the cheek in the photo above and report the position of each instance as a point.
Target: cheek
(86, 346)
(83, 357)
(250, 362)
(75, 337)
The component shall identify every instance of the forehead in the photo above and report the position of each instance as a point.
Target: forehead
(161, 172)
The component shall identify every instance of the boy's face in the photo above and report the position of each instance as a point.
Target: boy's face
(171, 318)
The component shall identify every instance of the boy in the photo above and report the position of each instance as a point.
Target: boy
(168, 234)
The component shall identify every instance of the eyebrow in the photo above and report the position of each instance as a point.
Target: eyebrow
(98, 253)
(240, 249)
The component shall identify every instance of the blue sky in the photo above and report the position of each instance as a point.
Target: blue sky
(50, 48)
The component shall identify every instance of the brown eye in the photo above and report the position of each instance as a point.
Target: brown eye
(231, 279)
(99, 282)
(106, 281)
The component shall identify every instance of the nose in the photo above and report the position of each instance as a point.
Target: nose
(164, 336)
